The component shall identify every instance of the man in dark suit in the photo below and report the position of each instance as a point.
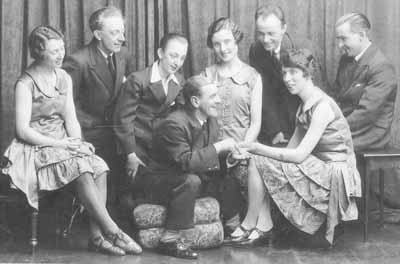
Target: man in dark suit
(279, 106)
(365, 85)
(146, 98)
(185, 159)
(97, 71)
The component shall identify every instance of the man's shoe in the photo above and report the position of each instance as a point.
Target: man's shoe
(176, 249)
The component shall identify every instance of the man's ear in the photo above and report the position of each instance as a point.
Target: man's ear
(194, 100)
(96, 34)
(160, 53)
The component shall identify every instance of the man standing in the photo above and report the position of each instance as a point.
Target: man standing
(365, 84)
(146, 98)
(185, 159)
(279, 106)
(97, 71)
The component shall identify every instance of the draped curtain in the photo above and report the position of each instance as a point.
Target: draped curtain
(310, 24)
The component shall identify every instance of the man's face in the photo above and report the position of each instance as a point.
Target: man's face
(173, 56)
(111, 36)
(348, 42)
(270, 31)
(208, 101)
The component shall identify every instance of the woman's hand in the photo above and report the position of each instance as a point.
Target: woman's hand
(250, 147)
(76, 146)
(240, 154)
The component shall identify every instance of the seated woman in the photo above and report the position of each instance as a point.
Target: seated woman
(48, 152)
(240, 89)
(314, 180)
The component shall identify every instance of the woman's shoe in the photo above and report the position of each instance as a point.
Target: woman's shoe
(122, 240)
(234, 240)
(262, 238)
(99, 244)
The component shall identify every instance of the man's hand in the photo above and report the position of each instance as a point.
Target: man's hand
(279, 139)
(226, 145)
(132, 165)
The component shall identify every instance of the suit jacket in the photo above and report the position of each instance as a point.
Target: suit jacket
(182, 145)
(140, 107)
(366, 92)
(279, 106)
(95, 93)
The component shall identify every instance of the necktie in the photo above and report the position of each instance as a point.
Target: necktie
(111, 66)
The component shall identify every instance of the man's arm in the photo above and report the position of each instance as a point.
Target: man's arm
(175, 141)
(380, 88)
(125, 114)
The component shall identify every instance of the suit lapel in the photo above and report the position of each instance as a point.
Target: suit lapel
(158, 91)
(100, 68)
(212, 131)
(173, 90)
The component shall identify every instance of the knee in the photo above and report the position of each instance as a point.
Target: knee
(192, 181)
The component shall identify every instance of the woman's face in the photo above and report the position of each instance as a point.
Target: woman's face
(54, 53)
(173, 56)
(224, 45)
(294, 79)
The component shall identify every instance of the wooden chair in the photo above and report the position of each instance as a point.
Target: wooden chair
(11, 197)
(376, 160)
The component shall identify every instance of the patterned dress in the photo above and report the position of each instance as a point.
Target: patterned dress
(324, 186)
(46, 168)
(234, 112)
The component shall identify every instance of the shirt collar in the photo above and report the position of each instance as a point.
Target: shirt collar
(156, 76)
(358, 57)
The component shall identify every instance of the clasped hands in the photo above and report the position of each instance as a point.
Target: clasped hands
(238, 151)
(76, 146)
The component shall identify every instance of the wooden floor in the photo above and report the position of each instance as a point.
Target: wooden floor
(383, 247)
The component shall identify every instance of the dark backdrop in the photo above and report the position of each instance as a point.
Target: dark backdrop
(310, 23)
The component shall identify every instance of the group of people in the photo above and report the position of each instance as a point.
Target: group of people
(266, 128)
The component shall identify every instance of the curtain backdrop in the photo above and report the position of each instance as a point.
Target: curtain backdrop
(310, 24)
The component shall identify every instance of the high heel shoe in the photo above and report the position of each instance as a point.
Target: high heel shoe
(125, 242)
(99, 244)
(234, 240)
(263, 238)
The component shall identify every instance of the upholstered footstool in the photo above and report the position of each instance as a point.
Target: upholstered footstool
(206, 233)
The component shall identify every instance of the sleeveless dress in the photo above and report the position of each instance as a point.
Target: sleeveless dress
(324, 186)
(46, 168)
(234, 112)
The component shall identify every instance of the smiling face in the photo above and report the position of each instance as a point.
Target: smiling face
(349, 42)
(270, 31)
(172, 56)
(53, 54)
(294, 79)
(224, 45)
(208, 100)
(111, 35)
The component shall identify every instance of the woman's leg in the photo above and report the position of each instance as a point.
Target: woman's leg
(93, 199)
(258, 213)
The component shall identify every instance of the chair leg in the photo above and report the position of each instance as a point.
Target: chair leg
(34, 225)
(381, 196)
(366, 202)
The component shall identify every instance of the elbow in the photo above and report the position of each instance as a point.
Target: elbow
(21, 132)
(299, 157)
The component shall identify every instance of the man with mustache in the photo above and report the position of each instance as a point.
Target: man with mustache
(146, 98)
(98, 70)
(365, 84)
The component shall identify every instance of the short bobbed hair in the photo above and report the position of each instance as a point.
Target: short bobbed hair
(171, 36)
(223, 23)
(39, 38)
(301, 59)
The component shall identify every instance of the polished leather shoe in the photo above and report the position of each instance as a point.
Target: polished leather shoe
(99, 244)
(264, 238)
(234, 240)
(176, 249)
(122, 240)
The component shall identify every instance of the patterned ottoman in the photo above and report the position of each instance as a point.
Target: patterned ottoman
(207, 232)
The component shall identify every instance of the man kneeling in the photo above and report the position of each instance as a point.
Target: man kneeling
(185, 161)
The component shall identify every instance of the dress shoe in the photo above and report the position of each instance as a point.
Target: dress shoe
(99, 244)
(234, 240)
(263, 238)
(122, 240)
(176, 249)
